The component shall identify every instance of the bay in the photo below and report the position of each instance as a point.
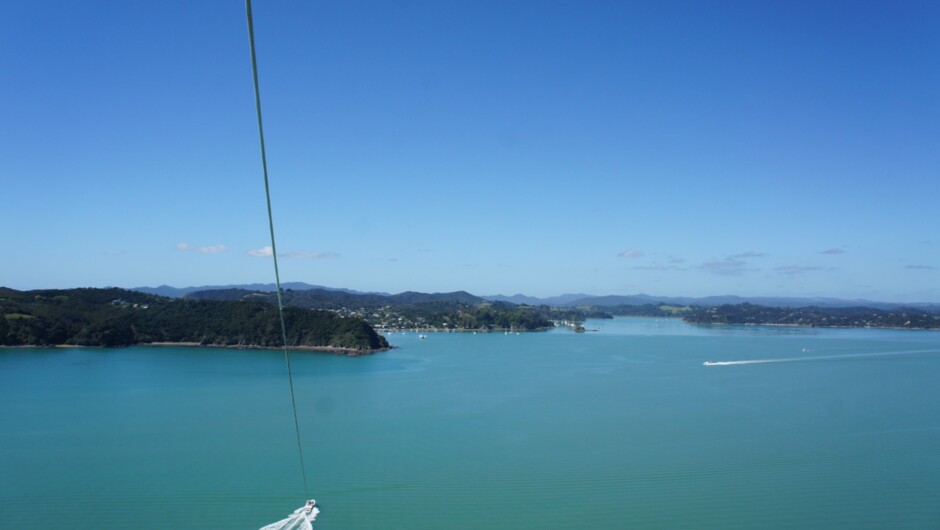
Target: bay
(623, 427)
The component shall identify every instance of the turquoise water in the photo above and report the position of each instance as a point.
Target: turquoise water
(619, 428)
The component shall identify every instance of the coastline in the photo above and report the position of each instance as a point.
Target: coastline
(348, 352)
(784, 325)
(461, 330)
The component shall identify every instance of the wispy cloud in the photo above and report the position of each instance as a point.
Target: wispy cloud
(673, 259)
(262, 252)
(833, 250)
(630, 254)
(725, 267)
(657, 267)
(210, 249)
(266, 252)
(922, 267)
(733, 265)
(309, 255)
(796, 270)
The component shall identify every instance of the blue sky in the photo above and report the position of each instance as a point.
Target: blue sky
(671, 148)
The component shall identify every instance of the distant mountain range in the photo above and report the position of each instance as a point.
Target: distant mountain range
(565, 300)
(179, 292)
(573, 300)
(319, 298)
(555, 301)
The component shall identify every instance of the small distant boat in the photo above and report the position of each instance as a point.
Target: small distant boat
(422, 336)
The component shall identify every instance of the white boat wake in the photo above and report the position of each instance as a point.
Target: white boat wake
(816, 358)
(301, 519)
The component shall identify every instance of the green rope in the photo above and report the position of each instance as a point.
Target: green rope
(277, 275)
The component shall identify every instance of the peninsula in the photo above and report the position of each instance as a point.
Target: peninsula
(116, 317)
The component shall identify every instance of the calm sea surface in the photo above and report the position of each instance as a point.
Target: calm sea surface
(619, 428)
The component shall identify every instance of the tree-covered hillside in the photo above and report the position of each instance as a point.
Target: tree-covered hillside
(115, 317)
(851, 317)
(457, 311)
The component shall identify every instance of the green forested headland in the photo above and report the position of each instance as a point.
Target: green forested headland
(116, 317)
(452, 311)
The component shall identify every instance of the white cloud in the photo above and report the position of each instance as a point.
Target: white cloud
(833, 250)
(209, 249)
(266, 252)
(260, 252)
(630, 254)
